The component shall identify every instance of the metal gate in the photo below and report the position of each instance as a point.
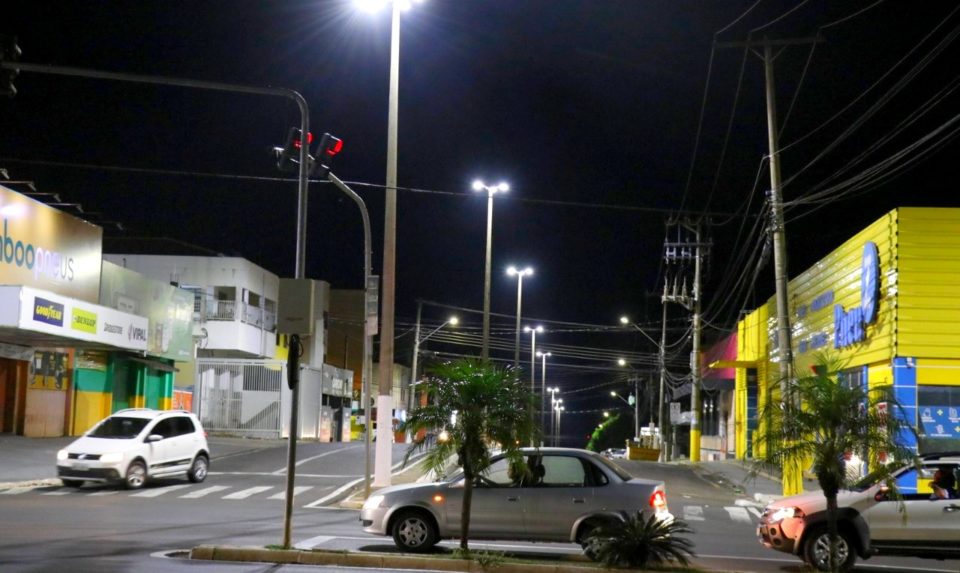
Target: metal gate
(241, 397)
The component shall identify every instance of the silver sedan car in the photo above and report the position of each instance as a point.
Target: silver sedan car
(561, 495)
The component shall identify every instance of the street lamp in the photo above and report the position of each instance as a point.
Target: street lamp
(636, 397)
(512, 271)
(479, 185)
(662, 364)
(384, 399)
(533, 330)
(559, 408)
(636, 423)
(417, 339)
(543, 388)
(553, 402)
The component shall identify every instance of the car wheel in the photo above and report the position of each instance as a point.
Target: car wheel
(198, 469)
(414, 531)
(816, 550)
(591, 545)
(136, 475)
(72, 482)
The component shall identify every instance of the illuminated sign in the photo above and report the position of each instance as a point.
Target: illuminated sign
(48, 249)
(849, 326)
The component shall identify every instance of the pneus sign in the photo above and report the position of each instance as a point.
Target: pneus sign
(850, 326)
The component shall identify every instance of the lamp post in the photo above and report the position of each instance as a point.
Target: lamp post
(559, 409)
(543, 389)
(533, 330)
(662, 422)
(553, 402)
(627, 402)
(501, 187)
(636, 398)
(417, 339)
(384, 398)
(513, 271)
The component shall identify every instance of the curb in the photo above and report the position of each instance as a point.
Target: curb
(32, 483)
(374, 560)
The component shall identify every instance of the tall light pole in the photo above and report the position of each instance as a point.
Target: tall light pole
(553, 403)
(514, 272)
(662, 365)
(636, 398)
(559, 408)
(533, 330)
(384, 398)
(543, 389)
(501, 187)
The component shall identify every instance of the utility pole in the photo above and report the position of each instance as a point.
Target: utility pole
(416, 358)
(680, 253)
(661, 414)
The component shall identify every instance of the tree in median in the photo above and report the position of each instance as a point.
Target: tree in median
(472, 409)
(822, 421)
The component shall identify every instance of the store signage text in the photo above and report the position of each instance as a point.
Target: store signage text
(47, 311)
(43, 262)
(83, 320)
(137, 333)
(849, 326)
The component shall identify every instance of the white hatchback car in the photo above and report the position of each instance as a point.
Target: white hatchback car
(134, 445)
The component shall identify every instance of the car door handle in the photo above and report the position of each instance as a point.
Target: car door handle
(579, 500)
(951, 508)
(513, 499)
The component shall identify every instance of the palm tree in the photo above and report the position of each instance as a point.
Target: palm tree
(473, 407)
(823, 421)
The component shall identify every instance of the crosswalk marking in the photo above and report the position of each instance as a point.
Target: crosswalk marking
(204, 491)
(105, 492)
(739, 514)
(312, 542)
(18, 490)
(245, 493)
(158, 491)
(62, 491)
(756, 512)
(296, 491)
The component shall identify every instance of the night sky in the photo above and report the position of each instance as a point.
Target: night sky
(590, 109)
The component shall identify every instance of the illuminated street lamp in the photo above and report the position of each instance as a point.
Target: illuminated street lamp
(513, 271)
(501, 187)
(388, 286)
(533, 330)
(543, 388)
(553, 402)
(417, 339)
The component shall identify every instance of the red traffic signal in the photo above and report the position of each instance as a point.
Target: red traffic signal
(328, 148)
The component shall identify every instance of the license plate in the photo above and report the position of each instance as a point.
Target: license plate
(80, 466)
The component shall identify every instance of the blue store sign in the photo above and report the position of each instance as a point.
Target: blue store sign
(849, 326)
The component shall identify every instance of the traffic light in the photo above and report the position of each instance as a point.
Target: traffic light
(328, 148)
(288, 156)
(9, 52)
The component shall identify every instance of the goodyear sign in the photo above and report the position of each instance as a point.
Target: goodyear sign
(47, 311)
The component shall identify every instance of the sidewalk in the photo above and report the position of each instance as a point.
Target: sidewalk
(762, 488)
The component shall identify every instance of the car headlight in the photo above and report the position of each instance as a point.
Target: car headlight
(112, 457)
(785, 513)
(62, 455)
(373, 502)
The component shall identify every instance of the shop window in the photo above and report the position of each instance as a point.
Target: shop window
(938, 418)
(853, 378)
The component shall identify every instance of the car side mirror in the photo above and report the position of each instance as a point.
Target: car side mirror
(153, 438)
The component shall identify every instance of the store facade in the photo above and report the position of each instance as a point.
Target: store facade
(885, 304)
(69, 354)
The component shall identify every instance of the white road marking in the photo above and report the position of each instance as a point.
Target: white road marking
(17, 490)
(693, 513)
(104, 492)
(312, 542)
(58, 492)
(204, 491)
(299, 475)
(245, 493)
(739, 514)
(297, 490)
(283, 470)
(157, 492)
(319, 503)
(756, 512)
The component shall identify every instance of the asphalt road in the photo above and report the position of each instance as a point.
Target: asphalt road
(98, 528)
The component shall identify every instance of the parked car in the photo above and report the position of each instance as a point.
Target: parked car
(561, 496)
(134, 445)
(870, 521)
(615, 453)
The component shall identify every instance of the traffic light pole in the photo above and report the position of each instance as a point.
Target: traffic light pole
(301, 253)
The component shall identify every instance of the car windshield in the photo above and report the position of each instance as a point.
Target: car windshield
(871, 479)
(119, 428)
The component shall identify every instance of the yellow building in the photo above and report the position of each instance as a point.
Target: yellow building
(886, 303)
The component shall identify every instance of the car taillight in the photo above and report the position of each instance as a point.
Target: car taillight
(658, 500)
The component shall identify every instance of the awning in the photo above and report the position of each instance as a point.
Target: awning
(155, 364)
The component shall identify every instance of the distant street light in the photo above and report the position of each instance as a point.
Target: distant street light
(533, 330)
(479, 185)
(417, 339)
(662, 365)
(543, 389)
(553, 402)
(512, 271)
(559, 410)
(636, 397)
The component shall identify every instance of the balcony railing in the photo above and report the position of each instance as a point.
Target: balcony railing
(207, 308)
